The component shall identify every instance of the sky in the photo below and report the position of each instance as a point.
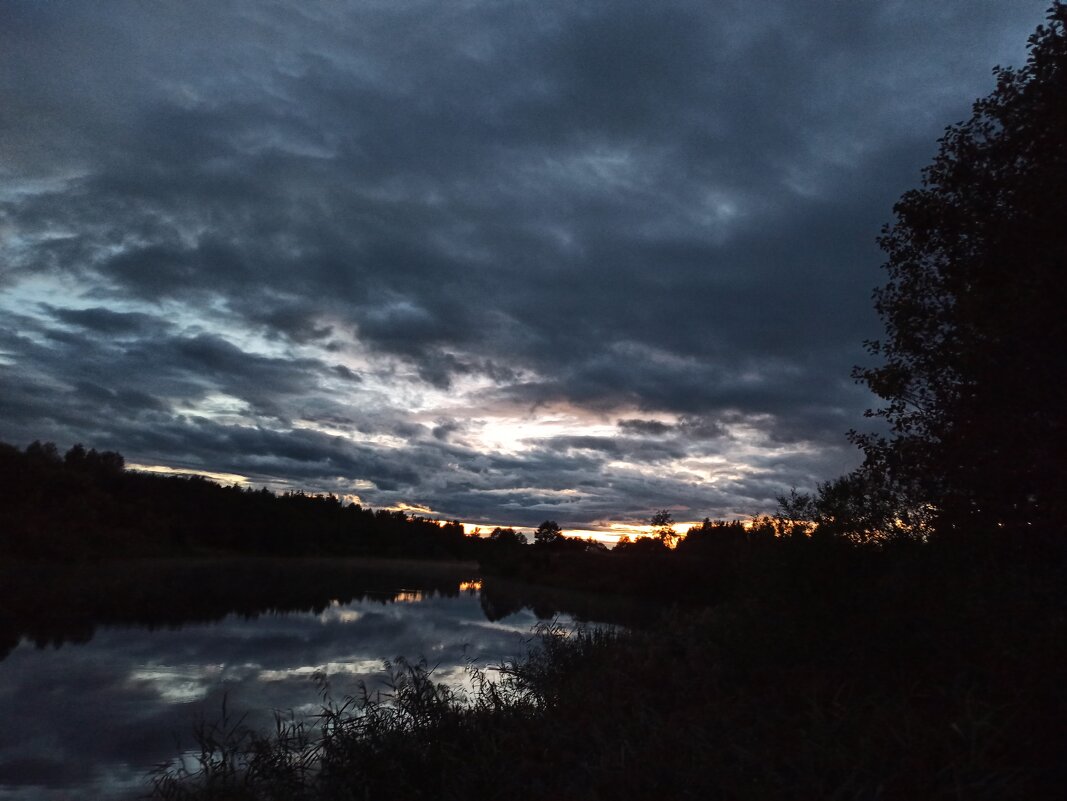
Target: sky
(499, 261)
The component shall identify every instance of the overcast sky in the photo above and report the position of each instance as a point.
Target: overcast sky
(502, 261)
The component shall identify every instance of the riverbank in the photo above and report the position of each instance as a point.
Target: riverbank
(933, 678)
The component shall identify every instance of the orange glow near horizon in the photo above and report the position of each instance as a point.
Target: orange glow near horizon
(608, 533)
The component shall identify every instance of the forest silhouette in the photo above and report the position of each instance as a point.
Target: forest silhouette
(83, 504)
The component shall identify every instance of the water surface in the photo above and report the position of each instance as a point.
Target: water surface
(105, 669)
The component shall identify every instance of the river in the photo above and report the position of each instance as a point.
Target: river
(105, 669)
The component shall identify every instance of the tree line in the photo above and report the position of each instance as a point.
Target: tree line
(84, 504)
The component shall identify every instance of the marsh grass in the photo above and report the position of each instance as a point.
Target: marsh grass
(403, 739)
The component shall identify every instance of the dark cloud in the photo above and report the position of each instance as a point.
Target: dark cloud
(358, 239)
(651, 427)
(106, 321)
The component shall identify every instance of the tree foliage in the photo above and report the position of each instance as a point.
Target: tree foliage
(506, 537)
(971, 362)
(663, 527)
(548, 533)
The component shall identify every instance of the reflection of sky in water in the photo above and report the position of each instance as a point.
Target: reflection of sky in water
(85, 720)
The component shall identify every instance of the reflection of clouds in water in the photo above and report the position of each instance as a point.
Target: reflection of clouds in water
(338, 613)
(95, 717)
(355, 667)
(516, 624)
(179, 685)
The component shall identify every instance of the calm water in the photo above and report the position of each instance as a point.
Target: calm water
(102, 668)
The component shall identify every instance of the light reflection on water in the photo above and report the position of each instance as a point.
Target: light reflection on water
(88, 719)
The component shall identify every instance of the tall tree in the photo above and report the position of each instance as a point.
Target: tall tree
(975, 311)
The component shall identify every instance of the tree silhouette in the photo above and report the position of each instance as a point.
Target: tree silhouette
(548, 533)
(972, 359)
(663, 527)
(506, 537)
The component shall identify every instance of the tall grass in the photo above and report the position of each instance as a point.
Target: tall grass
(407, 740)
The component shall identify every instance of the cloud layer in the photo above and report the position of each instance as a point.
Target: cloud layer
(506, 261)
